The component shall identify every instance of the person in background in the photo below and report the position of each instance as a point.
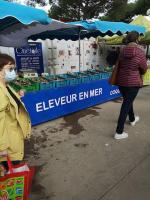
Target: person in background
(112, 56)
(15, 123)
(132, 64)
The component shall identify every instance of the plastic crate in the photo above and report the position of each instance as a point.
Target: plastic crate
(36, 81)
(95, 77)
(71, 79)
(63, 76)
(83, 77)
(105, 75)
(75, 81)
(74, 78)
(47, 85)
(19, 84)
(44, 83)
(60, 83)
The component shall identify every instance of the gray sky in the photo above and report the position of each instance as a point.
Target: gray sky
(131, 1)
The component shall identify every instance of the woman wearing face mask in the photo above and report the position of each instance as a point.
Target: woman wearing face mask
(14, 119)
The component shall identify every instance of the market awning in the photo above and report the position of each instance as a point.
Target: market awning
(109, 28)
(18, 22)
(13, 13)
(18, 34)
(90, 28)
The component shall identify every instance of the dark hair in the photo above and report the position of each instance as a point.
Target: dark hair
(132, 37)
(5, 59)
(124, 40)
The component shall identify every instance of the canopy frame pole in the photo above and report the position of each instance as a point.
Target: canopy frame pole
(79, 49)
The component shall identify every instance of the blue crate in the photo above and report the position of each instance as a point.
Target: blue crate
(105, 75)
(109, 74)
(62, 75)
(100, 76)
(61, 83)
(72, 80)
(49, 85)
(81, 77)
(95, 77)
(85, 79)
(75, 81)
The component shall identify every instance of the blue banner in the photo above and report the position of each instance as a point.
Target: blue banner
(30, 57)
(53, 103)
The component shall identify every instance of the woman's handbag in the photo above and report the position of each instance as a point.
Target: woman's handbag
(16, 183)
(113, 78)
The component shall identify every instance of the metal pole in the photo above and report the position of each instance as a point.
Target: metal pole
(79, 50)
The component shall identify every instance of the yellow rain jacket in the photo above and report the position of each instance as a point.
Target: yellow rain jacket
(15, 125)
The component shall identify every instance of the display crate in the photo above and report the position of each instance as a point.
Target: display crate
(23, 84)
(105, 75)
(44, 83)
(96, 76)
(71, 79)
(61, 83)
(84, 77)
(58, 80)
(36, 81)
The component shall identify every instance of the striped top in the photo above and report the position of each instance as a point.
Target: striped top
(132, 64)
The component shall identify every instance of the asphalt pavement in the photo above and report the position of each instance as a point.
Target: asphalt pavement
(77, 158)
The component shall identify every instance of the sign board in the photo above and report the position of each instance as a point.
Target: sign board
(30, 57)
(53, 103)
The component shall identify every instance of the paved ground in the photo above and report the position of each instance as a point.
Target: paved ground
(78, 159)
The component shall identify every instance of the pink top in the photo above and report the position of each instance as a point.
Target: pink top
(132, 64)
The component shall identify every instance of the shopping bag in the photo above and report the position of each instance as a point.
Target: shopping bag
(113, 78)
(15, 185)
(22, 168)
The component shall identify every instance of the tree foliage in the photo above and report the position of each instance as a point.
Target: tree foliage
(114, 13)
(120, 11)
(142, 6)
(69, 10)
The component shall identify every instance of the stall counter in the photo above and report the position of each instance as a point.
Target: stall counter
(50, 104)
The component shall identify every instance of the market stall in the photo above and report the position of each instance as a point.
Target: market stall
(50, 96)
(73, 92)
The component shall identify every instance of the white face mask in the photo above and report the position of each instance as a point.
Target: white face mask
(10, 75)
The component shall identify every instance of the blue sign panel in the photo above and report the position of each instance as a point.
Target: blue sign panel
(53, 103)
(30, 57)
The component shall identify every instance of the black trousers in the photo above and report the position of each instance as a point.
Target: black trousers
(128, 94)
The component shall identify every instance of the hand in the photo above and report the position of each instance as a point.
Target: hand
(21, 93)
(3, 153)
